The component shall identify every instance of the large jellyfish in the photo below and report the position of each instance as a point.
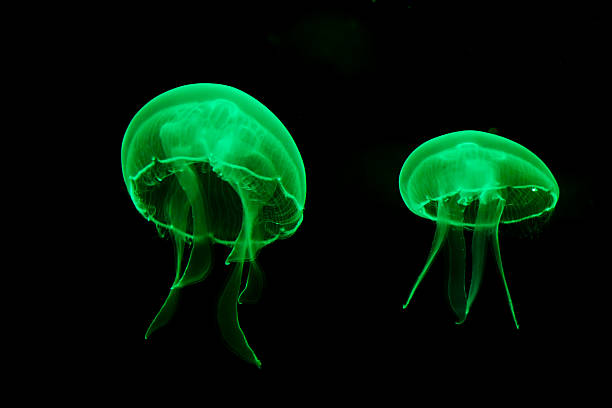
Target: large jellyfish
(473, 180)
(208, 163)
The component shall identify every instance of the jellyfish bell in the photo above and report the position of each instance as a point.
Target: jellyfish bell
(210, 164)
(473, 180)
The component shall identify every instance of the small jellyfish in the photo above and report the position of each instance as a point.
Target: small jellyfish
(208, 163)
(473, 180)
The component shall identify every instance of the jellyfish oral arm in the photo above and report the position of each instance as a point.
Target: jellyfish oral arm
(456, 273)
(199, 263)
(454, 212)
(178, 211)
(227, 310)
(254, 285)
(453, 234)
(490, 209)
(439, 237)
(448, 228)
(498, 211)
(479, 244)
(227, 317)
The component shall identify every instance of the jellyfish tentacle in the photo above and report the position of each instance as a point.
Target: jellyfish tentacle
(498, 211)
(456, 273)
(486, 221)
(439, 237)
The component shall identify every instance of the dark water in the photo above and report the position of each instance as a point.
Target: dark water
(359, 89)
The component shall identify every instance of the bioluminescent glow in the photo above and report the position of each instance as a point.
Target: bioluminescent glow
(473, 180)
(208, 163)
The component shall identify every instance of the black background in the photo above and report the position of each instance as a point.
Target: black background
(359, 88)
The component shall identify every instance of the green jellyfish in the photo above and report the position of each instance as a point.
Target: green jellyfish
(473, 180)
(207, 164)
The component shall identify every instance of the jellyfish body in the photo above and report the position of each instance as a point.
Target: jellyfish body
(208, 163)
(473, 180)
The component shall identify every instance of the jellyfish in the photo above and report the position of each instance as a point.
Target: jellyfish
(474, 181)
(209, 164)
